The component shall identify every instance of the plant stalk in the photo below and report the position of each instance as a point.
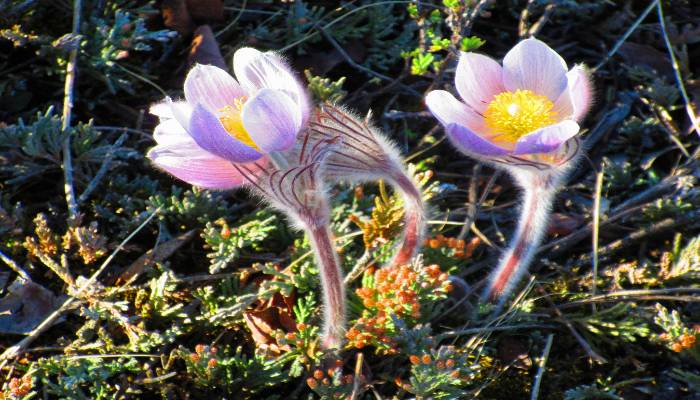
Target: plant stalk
(414, 217)
(539, 191)
(332, 283)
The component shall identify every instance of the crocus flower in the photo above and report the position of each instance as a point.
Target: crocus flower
(366, 155)
(250, 132)
(521, 116)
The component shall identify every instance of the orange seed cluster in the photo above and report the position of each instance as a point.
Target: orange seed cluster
(205, 353)
(684, 341)
(20, 387)
(462, 249)
(395, 291)
(332, 383)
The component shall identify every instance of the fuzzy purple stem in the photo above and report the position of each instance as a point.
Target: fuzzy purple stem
(414, 217)
(333, 286)
(539, 191)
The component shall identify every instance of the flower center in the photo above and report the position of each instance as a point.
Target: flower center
(230, 117)
(511, 115)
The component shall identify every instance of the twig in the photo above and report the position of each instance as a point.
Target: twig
(534, 29)
(484, 329)
(471, 201)
(540, 370)
(346, 15)
(677, 70)
(691, 221)
(102, 171)
(635, 295)
(13, 266)
(358, 376)
(394, 114)
(596, 227)
(360, 266)
(627, 34)
(362, 68)
(482, 198)
(234, 21)
(633, 204)
(14, 351)
(562, 318)
(666, 122)
(537, 26)
(68, 91)
(466, 28)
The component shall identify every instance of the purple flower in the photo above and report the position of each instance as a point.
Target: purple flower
(224, 120)
(525, 109)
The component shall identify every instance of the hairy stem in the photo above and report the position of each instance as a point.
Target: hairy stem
(539, 191)
(414, 217)
(332, 283)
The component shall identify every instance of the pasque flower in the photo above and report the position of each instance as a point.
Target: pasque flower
(223, 121)
(251, 132)
(521, 116)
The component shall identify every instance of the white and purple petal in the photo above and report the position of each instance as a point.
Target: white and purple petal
(478, 79)
(564, 106)
(196, 166)
(212, 87)
(272, 120)
(206, 129)
(547, 139)
(257, 70)
(580, 91)
(469, 142)
(532, 65)
(448, 110)
(169, 131)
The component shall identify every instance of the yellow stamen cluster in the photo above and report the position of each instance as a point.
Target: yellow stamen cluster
(511, 115)
(230, 117)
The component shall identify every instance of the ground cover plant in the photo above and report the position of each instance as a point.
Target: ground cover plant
(339, 239)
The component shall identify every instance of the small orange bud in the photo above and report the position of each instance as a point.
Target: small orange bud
(318, 374)
(677, 347)
(212, 363)
(426, 359)
(312, 383)
(302, 327)
(414, 359)
(434, 243)
(450, 363)
(199, 348)
(225, 232)
(455, 374)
